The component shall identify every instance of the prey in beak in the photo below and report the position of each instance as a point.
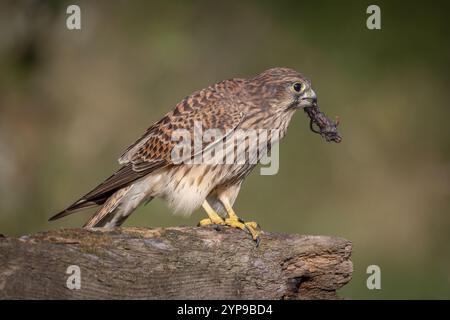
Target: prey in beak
(319, 122)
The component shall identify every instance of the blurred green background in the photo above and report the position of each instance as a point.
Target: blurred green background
(71, 101)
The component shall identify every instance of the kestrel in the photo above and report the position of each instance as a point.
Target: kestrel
(264, 102)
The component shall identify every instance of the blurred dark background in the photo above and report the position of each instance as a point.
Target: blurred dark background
(71, 101)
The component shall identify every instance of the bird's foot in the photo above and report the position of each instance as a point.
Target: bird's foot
(251, 226)
(209, 221)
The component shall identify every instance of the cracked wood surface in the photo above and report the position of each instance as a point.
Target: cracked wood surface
(173, 263)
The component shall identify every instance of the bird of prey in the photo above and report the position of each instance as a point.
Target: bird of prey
(266, 101)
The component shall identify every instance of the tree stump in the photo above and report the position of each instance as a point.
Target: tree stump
(173, 263)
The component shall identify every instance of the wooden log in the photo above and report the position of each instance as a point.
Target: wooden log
(172, 263)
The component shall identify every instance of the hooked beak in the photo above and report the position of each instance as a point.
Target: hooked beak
(308, 99)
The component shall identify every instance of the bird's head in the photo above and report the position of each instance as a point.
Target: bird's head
(284, 90)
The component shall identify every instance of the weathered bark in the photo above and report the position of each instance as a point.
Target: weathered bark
(173, 263)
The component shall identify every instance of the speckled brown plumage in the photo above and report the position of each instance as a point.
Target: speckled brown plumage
(266, 101)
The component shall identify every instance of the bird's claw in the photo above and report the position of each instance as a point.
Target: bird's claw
(209, 222)
(251, 227)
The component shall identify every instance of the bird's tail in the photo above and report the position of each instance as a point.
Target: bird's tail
(109, 194)
(115, 210)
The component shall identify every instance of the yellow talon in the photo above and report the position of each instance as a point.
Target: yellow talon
(252, 224)
(233, 221)
(214, 218)
(251, 227)
(208, 222)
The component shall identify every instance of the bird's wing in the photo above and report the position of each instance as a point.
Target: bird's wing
(154, 149)
(212, 111)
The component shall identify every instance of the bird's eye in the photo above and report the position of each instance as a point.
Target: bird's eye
(297, 87)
